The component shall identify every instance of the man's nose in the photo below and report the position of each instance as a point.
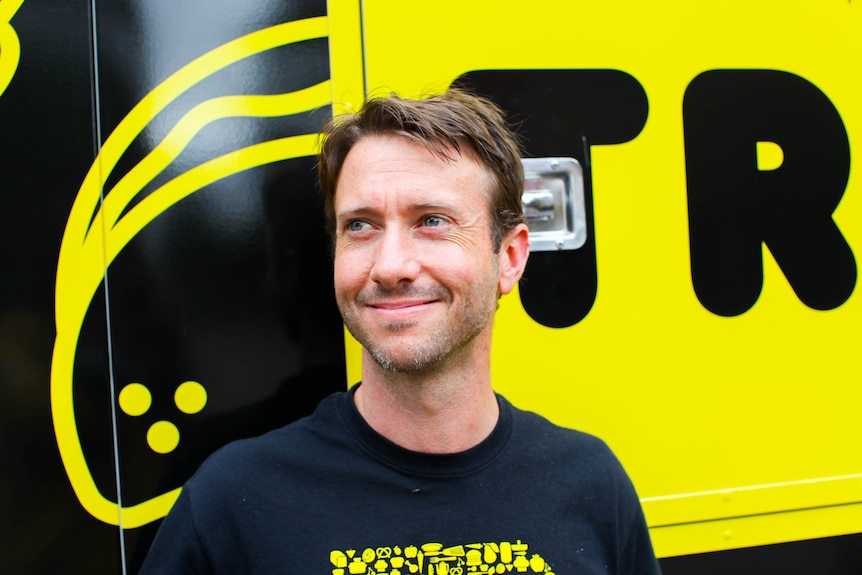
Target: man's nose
(396, 259)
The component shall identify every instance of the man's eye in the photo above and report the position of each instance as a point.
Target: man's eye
(357, 225)
(433, 221)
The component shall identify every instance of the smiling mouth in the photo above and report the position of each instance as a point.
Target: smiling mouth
(402, 301)
(401, 311)
(399, 305)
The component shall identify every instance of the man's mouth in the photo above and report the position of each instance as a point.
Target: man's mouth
(400, 304)
(400, 310)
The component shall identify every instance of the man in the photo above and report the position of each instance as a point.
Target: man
(421, 468)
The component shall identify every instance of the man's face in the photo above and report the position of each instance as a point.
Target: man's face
(416, 276)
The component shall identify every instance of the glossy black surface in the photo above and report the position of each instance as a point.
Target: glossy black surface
(230, 287)
(46, 148)
(830, 556)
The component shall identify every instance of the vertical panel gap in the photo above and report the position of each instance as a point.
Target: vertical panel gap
(97, 139)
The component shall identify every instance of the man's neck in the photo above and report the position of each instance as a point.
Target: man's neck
(445, 411)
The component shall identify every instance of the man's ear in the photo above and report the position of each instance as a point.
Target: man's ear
(514, 251)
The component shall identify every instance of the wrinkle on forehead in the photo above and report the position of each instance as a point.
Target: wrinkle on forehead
(435, 159)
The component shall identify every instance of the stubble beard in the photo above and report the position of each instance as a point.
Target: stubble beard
(441, 345)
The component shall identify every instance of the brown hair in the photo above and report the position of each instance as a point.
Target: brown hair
(455, 120)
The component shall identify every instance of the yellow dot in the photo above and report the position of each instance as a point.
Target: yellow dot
(135, 399)
(163, 437)
(770, 156)
(190, 397)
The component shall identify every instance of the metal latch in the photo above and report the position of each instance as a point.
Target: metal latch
(553, 201)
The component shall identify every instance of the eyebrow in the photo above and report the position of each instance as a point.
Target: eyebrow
(361, 210)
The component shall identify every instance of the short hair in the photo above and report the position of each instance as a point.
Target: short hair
(455, 120)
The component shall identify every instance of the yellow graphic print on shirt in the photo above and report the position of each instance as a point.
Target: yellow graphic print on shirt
(433, 559)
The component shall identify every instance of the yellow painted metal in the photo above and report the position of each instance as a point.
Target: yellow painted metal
(10, 46)
(746, 425)
(756, 530)
(348, 93)
(345, 55)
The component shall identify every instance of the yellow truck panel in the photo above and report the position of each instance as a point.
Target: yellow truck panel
(739, 427)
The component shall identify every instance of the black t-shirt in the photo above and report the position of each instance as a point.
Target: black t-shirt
(328, 495)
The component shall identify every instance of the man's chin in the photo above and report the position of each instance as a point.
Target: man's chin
(403, 361)
(398, 326)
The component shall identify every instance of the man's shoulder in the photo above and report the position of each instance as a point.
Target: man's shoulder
(539, 426)
(543, 439)
(285, 447)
